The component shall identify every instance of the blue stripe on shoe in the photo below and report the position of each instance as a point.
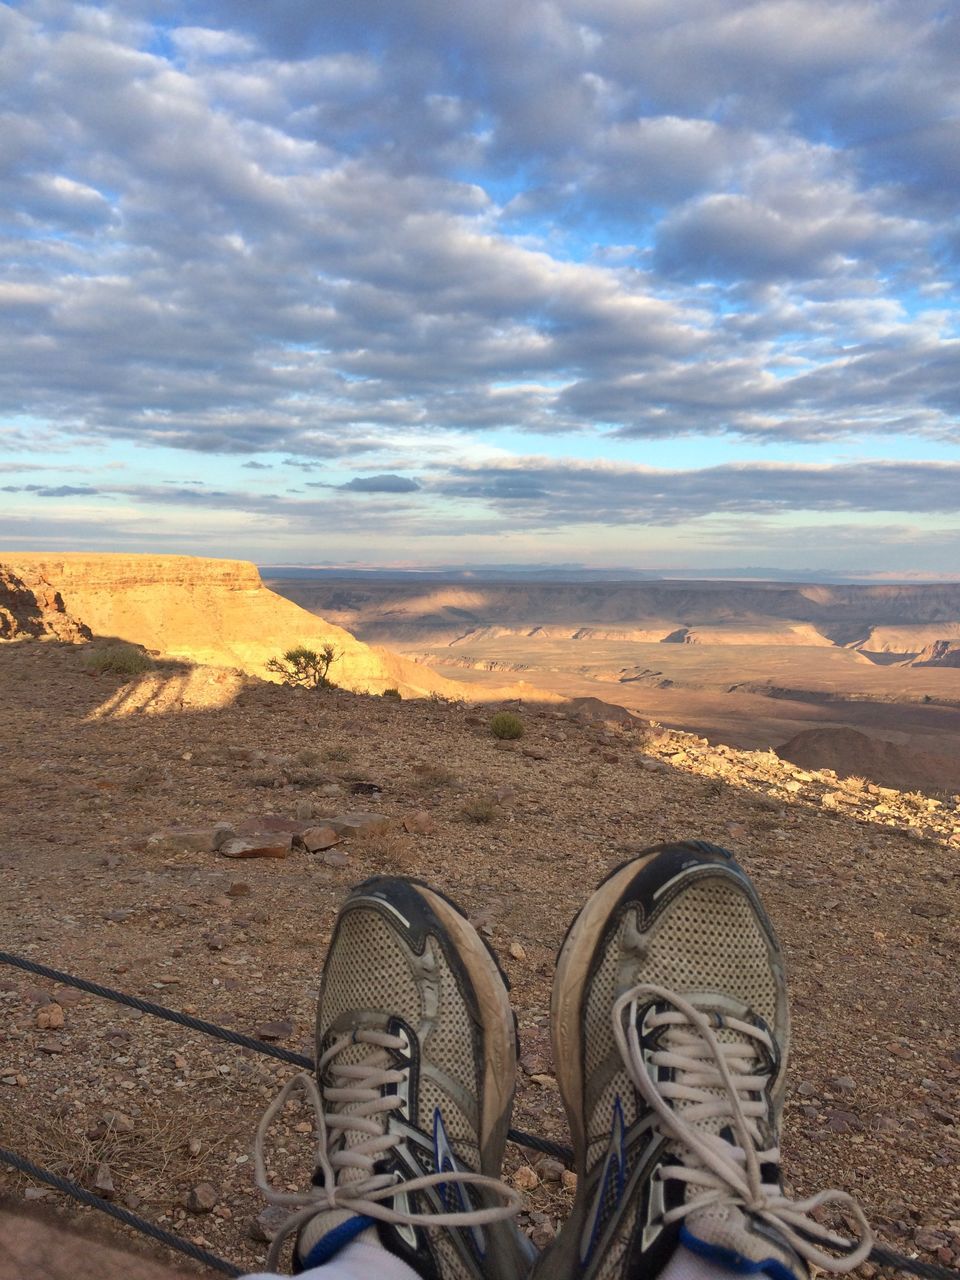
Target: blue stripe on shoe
(730, 1260)
(329, 1245)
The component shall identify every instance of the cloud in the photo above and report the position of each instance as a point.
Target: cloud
(538, 492)
(380, 484)
(358, 236)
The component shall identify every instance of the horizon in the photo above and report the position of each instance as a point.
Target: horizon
(570, 283)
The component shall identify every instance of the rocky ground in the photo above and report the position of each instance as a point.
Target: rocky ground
(862, 883)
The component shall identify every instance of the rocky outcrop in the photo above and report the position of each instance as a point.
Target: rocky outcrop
(941, 653)
(212, 612)
(30, 607)
(852, 754)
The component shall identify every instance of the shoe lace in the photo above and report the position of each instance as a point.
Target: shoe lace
(350, 1180)
(718, 1081)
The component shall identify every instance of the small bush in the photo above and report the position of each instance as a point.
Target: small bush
(392, 693)
(505, 724)
(481, 810)
(305, 668)
(118, 659)
(339, 753)
(432, 776)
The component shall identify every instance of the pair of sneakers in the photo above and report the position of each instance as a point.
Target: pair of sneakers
(670, 1031)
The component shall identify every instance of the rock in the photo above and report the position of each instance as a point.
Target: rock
(119, 914)
(201, 1198)
(928, 1239)
(194, 1147)
(929, 909)
(303, 810)
(315, 839)
(844, 1084)
(49, 1017)
(525, 1179)
(351, 824)
(110, 1122)
(420, 823)
(222, 832)
(650, 764)
(362, 788)
(336, 858)
(568, 1180)
(264, 845)
(239, 889)
(267, 1223)
(517, 951)
(550, 1170)
(103, 1182)
(534, 753)
(274, 1030)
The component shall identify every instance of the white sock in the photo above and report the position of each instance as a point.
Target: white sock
(687, 1265)
(356, 1261)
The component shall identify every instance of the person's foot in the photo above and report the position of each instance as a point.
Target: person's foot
(416, 1061)
(670, 1028)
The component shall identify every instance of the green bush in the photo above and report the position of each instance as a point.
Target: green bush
(305, 668)
(118, 659)
(505, 724)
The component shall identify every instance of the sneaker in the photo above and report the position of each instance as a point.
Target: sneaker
(416, 1063)
(670, 1029)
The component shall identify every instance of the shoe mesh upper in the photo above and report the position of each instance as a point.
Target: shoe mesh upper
(708, 939)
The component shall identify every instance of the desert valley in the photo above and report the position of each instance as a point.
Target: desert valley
(163, 830)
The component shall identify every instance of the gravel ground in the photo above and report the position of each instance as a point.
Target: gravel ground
(865, 903)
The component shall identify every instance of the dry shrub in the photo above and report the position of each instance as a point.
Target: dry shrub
(482, 810)
(118, 659)
(431, 777)
(506, 725)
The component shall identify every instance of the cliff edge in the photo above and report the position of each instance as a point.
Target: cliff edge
(212, 612)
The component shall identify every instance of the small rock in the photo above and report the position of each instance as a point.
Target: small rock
(274, 1030)
(568, 1180)
(351, 824)
(267, 1223)
(194, 1147)
(844, 1084)
(304, 810)
(525, 1179)
(420, 823)
(517, 951)
(265, 845)
(927, 1239)
(550, 1170)
(119, 914)
(103, 1182)
(534, 753)
(239, 889)
(929, 909)
(315, 839)
(201, 1199)
(336, 858)
(49, 1017)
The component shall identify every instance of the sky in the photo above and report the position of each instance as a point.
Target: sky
(638, 283)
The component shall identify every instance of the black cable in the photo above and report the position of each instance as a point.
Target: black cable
(555, 1149)
(158, 1011)
(122, 1215)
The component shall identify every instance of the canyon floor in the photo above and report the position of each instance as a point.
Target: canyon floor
(750, 667)
(863, 887)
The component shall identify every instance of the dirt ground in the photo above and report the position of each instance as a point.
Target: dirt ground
(867, 912)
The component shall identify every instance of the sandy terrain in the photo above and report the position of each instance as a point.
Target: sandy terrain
(863, 887)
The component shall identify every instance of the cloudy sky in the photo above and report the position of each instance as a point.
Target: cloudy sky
(647, 283)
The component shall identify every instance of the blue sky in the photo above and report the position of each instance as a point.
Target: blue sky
(615, 282)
